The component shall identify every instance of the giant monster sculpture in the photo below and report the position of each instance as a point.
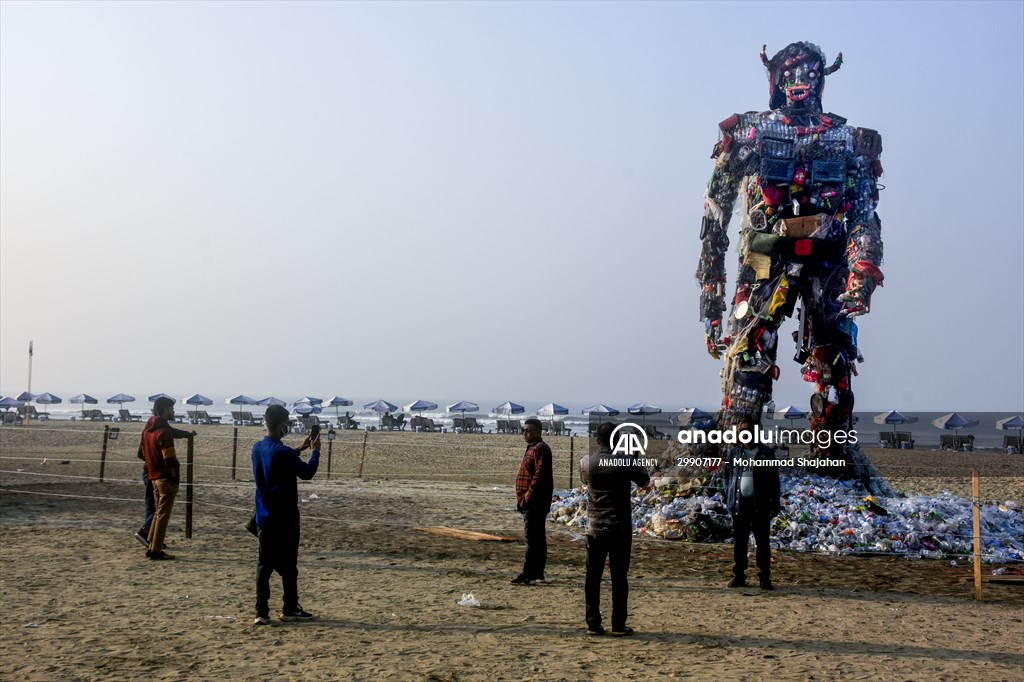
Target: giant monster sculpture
(810, 243)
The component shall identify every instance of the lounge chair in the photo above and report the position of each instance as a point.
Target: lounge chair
(398, 423)
(126, 416)
(502, 426)
(514, 426)
(887, 439)
(97, 416)
(347, 422)
(11, 419)
(32, 413)
(558, 428)
(957, 443)
(653, 432)
(423, 424)
(905, 440)
(473, 426)
(1015, 442)
(202, 417)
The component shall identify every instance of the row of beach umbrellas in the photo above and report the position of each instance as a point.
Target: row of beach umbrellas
(688, 416)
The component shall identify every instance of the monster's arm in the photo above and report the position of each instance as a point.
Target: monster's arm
(711, 276)
(864, 245)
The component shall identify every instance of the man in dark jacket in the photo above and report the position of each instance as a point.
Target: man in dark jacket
(609, 480)
(752, 492)
(535, 486)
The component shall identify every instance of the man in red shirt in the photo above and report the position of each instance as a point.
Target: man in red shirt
(535, 486)
(164, 472)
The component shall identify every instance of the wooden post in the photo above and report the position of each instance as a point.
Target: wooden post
(976, 492)
(363, 458)
(572, 458)
(234, 453)
(188, 488)
(330, 448)
(103, 454)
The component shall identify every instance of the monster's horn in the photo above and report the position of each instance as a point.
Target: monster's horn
(835, 65)
(764, 57)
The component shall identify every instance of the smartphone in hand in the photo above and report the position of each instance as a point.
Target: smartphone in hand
(314, 431)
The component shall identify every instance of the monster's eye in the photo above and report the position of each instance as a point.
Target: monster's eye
(812, 74)
(786, 74)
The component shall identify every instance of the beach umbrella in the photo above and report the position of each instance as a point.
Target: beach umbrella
(954, 421)
(1010, 423)
(45, 399)
(306, 408)
(790, 412)
(242, 400)
(420, 406)
(551, 409)
(463, 406)
(8, 403)
(197, 400)
(120, 399)
(83, 399)
(25, 397)
(271, 400)
(894, 417)
(643, 409)
(308, 400)
(336, 402)
(381, 407)
(691, 416)
(509, 407)
(156, 396)
(601, 411)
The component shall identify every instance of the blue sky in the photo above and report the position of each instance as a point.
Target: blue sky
(449, 200)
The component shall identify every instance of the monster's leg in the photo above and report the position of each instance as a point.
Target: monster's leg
(831, 352)
(750, 367)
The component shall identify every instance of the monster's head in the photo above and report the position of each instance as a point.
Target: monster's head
(796, 75)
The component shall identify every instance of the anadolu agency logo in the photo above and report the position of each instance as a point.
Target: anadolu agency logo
(626, 440)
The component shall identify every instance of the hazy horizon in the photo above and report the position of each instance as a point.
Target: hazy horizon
(411, 200)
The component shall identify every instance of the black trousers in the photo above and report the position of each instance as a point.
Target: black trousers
(616, 548)
(743, 522)
(534, 520)
(279, 551)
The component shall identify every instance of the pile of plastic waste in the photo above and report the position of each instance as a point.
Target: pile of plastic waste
(822, 515)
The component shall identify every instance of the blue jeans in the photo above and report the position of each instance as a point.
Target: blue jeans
(615, 547)
(150, 502)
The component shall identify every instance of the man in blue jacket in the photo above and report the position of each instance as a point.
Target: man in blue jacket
(275, 468)
(752, 492)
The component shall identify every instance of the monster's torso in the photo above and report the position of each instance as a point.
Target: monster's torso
(798, 173)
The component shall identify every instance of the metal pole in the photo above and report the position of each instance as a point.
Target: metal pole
(28, 406)
(234, 453)
(976, 491)
(188, 487)
(103, 455)
(330, 448)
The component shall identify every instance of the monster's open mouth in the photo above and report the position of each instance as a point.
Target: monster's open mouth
(798, 93)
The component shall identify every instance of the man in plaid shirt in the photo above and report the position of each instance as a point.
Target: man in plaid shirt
(535, 486)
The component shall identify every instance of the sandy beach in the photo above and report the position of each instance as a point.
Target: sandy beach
(83, 603)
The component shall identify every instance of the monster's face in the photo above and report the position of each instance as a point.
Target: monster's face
(801, 79)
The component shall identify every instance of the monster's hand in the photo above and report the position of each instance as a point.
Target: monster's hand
(864, 277)
(713, 336)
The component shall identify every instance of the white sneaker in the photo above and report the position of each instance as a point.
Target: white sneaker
(261, 620)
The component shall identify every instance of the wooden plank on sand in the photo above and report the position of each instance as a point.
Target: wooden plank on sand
(465, 534)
